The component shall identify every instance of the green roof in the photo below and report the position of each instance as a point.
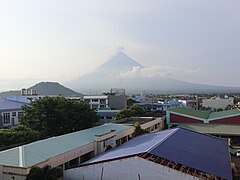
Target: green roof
(39, 151)
(226, 113)
(190, 112)
(214, 129)
(204, 114)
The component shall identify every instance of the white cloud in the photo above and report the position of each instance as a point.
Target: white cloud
(158, 71)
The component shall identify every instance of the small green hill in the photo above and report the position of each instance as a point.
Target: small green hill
(46, 88)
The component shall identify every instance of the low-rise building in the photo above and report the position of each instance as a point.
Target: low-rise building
(217, 103)
(67, 151)
(167, 155)
(174, 116)
(10, 112)
(106, 115)
(115, 99)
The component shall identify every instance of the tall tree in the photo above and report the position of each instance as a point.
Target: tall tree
(57, 115)
(45, 173)
(131, 111)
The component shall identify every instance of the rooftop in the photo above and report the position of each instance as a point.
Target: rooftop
(202, 152)
(223, 129)
(9, 104)
(190, 112)
(39, 151)
(205, 114)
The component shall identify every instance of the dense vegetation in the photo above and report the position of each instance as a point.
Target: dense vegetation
(45, 173)
(47, 117)
(52, 116)
(138, 130)
(17, 135)
(131, 111)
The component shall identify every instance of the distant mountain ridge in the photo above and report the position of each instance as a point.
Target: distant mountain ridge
(109, 76)
(46, 88)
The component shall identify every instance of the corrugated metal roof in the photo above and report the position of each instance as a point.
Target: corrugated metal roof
(204, 114)
(190, 112)
(137, 145)
(8, 104)
(223, 129)
(39, 151)
(199, 151)
(227, 113)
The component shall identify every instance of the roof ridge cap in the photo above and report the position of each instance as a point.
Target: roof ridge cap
(21, 156)
(163, 140)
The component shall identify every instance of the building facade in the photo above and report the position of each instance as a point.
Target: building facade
(10, 112)
(115, 99)
(217, 103)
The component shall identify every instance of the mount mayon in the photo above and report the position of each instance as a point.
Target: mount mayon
(122, 71)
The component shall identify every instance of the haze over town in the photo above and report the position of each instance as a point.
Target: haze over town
(195, 41)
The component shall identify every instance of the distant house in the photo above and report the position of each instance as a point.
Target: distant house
(9, 112)
(167, 155)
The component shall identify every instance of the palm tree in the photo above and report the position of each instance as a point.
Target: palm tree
(45, 173)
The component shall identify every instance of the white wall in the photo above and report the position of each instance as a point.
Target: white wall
(127, 169)
(217, 103)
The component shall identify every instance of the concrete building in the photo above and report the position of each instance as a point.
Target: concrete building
(67, 150)
(106, 115)
(217, 103)
(115, 99)
(167, 155)
(9, 112)
(178, 115)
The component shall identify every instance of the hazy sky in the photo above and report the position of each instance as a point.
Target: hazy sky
(59, 40)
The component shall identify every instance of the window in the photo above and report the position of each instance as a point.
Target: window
(103, 101)
(14, 113)
(6, 118)
(94, 100)
(19, 114)
(87, 100)
(102, 106)
(94, 106)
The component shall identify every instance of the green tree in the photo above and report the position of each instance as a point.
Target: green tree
(45, 173)
(130, 102)
(57, 115)
(17, 135)
(138, 130)
(131, 111)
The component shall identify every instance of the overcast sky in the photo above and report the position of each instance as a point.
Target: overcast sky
(59, 40)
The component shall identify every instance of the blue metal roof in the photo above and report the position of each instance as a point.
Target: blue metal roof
(202, 152)
(136, 146)
(8, 104)
(199, 151)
